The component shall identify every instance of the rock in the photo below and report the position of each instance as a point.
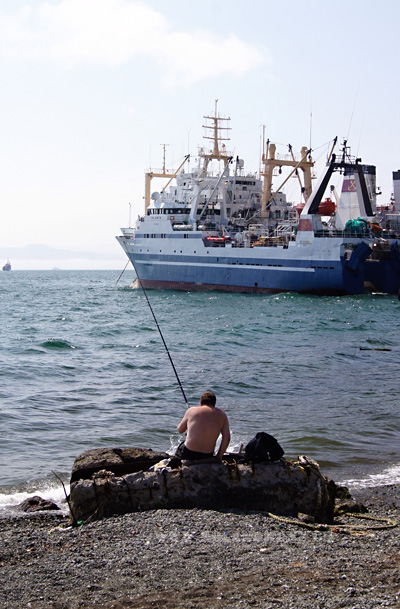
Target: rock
(37, 504)
(120, 461)
(305, 518)
(350, 507)
(342, 492)
(282, 487)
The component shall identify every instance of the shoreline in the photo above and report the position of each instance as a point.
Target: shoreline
(198, 558)
(367, 478)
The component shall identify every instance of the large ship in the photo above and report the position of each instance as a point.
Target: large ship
(231, 232)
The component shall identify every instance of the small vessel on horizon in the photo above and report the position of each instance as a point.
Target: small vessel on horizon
(231, 232)
(7, 266)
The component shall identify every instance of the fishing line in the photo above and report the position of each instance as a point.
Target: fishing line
(161, 334)
(122, 272)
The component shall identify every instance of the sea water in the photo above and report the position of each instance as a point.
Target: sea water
(83, 366)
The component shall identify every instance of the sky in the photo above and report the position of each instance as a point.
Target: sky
(92, 89)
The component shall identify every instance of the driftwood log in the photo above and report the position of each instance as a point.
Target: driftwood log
(124, 484)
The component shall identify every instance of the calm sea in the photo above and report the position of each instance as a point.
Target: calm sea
(83, 366)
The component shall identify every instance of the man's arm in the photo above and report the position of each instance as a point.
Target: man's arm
(182, 427)
(226, 438)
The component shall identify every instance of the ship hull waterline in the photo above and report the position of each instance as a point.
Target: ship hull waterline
(325, 278)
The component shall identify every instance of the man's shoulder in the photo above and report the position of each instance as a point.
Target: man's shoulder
(193, 409)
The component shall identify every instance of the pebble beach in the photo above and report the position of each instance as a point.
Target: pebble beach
(203, 559)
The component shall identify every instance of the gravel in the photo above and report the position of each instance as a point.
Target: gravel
(197, 558)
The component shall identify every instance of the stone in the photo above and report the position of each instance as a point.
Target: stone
(282, 487)
(37, 504)
(350, 507)
(120, 461)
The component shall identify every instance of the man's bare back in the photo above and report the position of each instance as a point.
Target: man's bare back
(204, 424)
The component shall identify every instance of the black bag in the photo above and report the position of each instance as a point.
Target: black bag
(263, 447)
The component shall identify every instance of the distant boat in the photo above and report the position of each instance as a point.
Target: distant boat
(7, 266)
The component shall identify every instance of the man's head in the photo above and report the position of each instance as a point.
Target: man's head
(208, 399)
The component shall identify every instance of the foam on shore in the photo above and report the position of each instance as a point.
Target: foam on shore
(389, 476)
(10, 499)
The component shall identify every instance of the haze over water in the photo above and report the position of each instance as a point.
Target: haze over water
(83, 366)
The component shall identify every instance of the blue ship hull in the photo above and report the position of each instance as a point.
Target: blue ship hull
(251, 277)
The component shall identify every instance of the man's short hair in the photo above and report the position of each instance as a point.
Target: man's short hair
(208, 398)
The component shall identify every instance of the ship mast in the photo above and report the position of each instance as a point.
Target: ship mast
(270, 161)
(215, 128)
(163, 173)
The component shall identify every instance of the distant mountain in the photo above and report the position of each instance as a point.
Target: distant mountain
(44, 252)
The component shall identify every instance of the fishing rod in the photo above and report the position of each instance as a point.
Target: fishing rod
(161, 334)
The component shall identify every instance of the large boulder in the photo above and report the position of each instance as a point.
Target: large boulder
(282, 487)
(120, 461)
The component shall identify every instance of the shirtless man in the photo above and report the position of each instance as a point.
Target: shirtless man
(204, 424)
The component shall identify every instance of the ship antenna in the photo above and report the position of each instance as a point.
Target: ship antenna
(161, 334)
(352, 112)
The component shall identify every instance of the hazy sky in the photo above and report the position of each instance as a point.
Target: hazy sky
(90, 89)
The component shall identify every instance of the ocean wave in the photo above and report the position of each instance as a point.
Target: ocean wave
(389, 476)
(55, 343)
(11, 498)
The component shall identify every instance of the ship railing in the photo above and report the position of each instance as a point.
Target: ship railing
(366, 234)
(335, 233)
(271, 241)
